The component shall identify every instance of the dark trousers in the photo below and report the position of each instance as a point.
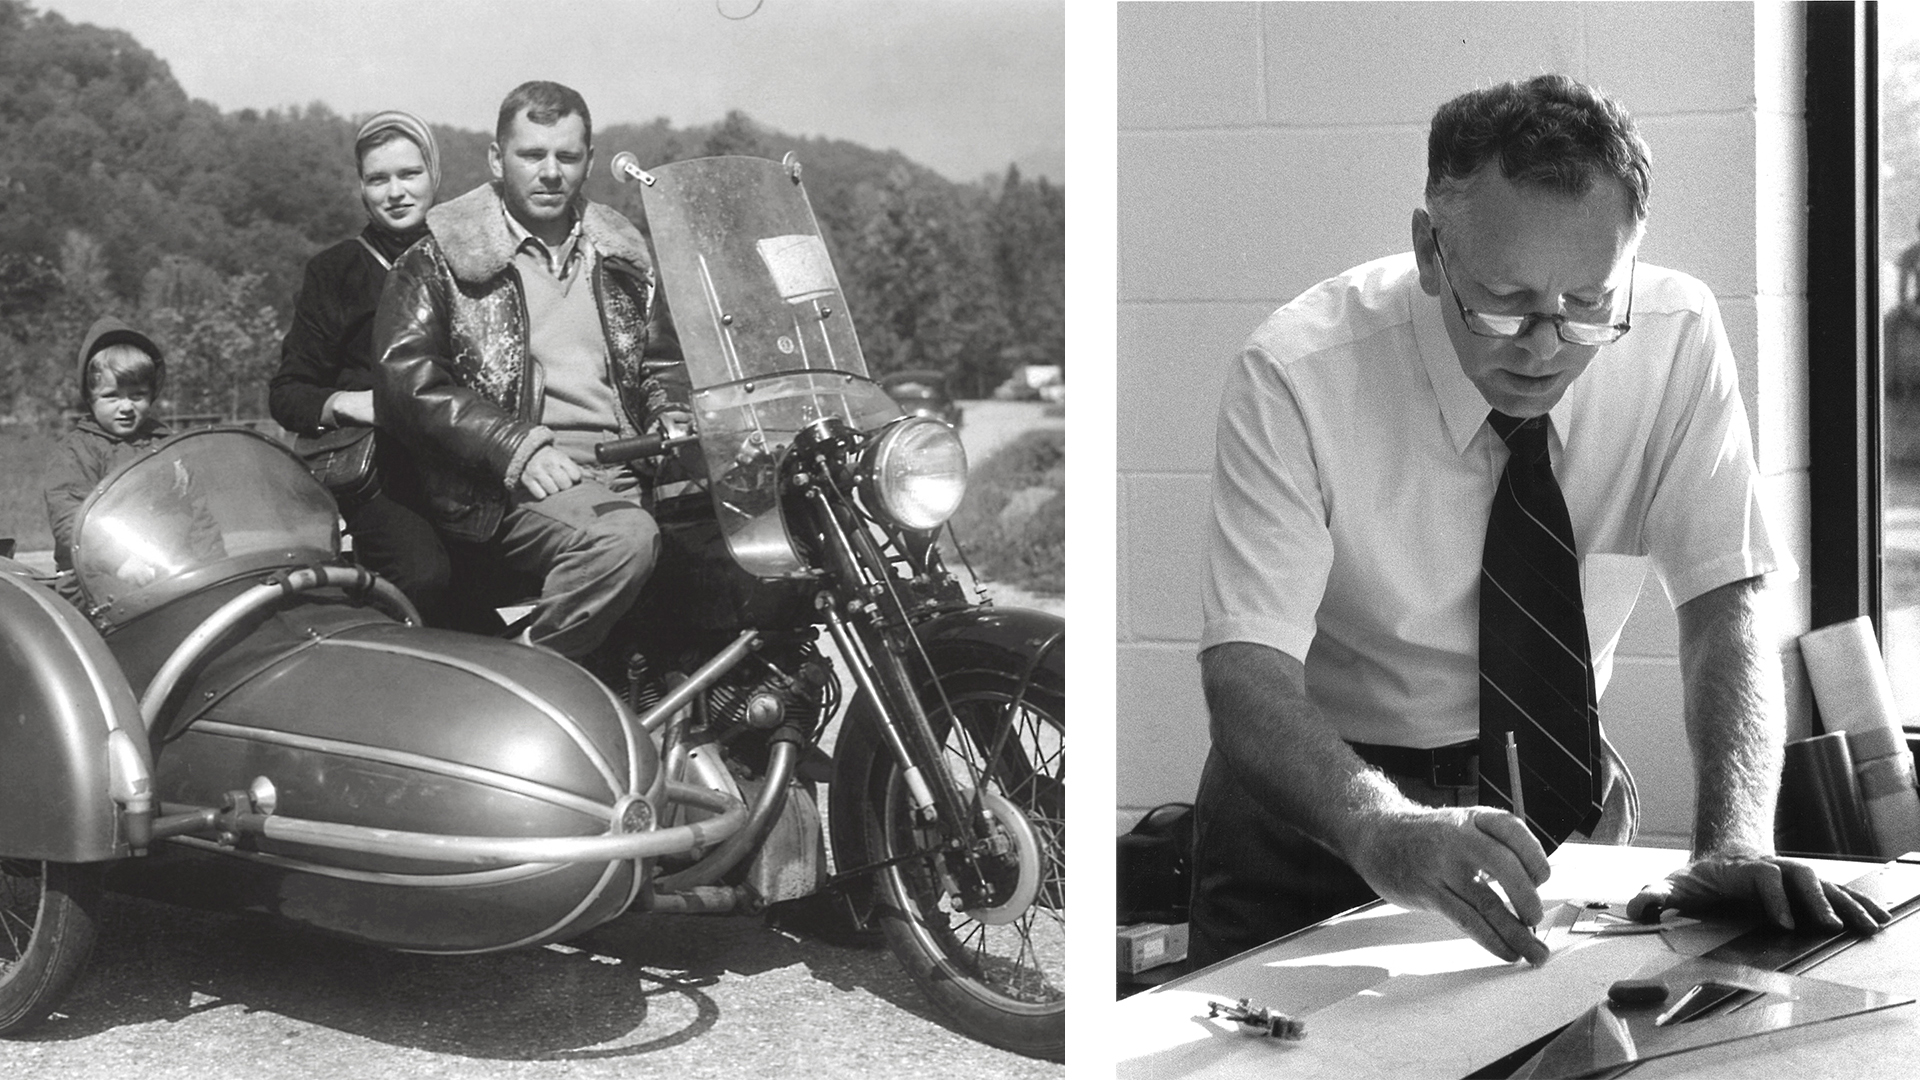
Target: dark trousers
(1256, 877)
(396, 541)
(392, 540)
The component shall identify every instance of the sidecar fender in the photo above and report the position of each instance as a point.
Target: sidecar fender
(73, 752)
(986, 636)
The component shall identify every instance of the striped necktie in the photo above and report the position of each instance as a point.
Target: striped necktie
(1536, 675)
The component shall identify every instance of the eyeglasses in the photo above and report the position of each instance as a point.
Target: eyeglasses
(1571, 331)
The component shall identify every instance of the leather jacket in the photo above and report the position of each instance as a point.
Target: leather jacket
(454, 380)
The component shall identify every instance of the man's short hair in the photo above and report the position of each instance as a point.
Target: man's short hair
(121, 364)
(1548, 131)
(545, 103)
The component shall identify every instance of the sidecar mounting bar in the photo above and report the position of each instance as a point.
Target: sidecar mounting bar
(435, 847)
(706, 676)
(773, 796)
(281, 584)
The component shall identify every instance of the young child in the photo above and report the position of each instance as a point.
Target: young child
(121, 371)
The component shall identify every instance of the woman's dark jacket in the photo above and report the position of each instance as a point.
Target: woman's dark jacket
(329, 347)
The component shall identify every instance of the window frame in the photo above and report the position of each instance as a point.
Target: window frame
(1844, 383)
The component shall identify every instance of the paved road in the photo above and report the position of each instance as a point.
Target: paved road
(173, 993)
(986, 425)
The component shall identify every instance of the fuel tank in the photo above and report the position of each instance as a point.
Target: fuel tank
(357, 720)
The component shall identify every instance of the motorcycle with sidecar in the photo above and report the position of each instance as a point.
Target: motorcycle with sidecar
(233, 715)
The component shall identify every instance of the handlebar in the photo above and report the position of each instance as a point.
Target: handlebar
(642, 446)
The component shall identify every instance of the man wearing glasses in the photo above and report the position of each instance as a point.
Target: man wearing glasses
(1437, 474)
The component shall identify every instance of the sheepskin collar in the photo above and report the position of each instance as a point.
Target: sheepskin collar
(473, 234)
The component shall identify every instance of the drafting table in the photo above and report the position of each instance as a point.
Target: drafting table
(1388, 993)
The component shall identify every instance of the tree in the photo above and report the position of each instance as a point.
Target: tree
(736, 135)
(116, 191)
(1900, 200)
(914, 277)
(1028, 230)
(222, 341)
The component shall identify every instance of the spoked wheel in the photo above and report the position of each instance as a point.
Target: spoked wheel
(997, 971)
(46, 932)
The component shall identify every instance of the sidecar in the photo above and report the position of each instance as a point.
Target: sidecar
(235, 718)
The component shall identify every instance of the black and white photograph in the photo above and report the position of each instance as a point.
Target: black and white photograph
(1517, 570)
(533, 539)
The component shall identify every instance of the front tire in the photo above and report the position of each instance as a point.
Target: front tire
(47, 930)
(999, 974)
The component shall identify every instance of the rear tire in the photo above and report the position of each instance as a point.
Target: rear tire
(998, 977)
(47, 929)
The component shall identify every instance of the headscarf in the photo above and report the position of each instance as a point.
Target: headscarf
(406, 124)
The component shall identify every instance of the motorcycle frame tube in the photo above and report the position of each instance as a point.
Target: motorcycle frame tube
(766, 806)
(473, 850)
(708, 674)
(492, 875)
(217, 625)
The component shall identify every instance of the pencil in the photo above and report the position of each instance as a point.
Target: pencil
(1513, 779)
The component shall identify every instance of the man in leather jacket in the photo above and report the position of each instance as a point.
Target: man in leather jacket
(524, 329)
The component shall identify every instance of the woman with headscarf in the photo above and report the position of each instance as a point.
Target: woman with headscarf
(326, 364)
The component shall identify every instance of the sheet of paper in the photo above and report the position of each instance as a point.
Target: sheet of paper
(1393, 993)
(1420, 1001)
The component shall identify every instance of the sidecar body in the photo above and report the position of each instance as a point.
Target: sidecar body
(247, 723)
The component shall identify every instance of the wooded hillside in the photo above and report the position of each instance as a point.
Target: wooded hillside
(118, 195)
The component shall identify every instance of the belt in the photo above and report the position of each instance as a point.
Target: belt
(1445, 766)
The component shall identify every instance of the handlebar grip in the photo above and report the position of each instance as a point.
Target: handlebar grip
(619, 450)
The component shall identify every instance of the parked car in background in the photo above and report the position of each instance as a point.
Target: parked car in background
(1033, 382)
(923, 393)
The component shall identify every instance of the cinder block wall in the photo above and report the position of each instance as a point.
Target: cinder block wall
(1263, 147)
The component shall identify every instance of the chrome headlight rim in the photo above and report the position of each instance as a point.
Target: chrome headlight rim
(916, 472)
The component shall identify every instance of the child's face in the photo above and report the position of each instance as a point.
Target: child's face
(119, 408)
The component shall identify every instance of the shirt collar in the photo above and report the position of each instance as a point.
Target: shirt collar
(557, 259)
(1462, 407)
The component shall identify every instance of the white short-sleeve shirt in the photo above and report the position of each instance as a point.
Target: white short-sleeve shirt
(1355, 470)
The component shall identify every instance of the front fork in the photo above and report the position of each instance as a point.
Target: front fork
(876, 649)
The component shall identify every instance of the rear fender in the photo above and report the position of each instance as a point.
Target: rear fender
(73, 752)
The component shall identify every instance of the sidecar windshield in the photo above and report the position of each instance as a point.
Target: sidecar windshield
(223, 497)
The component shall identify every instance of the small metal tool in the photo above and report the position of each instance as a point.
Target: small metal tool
(1261, 1021)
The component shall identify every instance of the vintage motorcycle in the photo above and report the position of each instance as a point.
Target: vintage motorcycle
(235, 716)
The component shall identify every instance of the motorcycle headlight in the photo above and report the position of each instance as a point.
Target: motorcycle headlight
(917, 472)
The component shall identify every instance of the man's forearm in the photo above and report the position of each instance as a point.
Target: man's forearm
(1283, 753)
(1735, 715)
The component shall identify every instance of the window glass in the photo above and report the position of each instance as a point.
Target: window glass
(1899, 45)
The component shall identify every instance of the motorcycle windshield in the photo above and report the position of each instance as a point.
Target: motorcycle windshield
(217, 500)
(769, 345)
